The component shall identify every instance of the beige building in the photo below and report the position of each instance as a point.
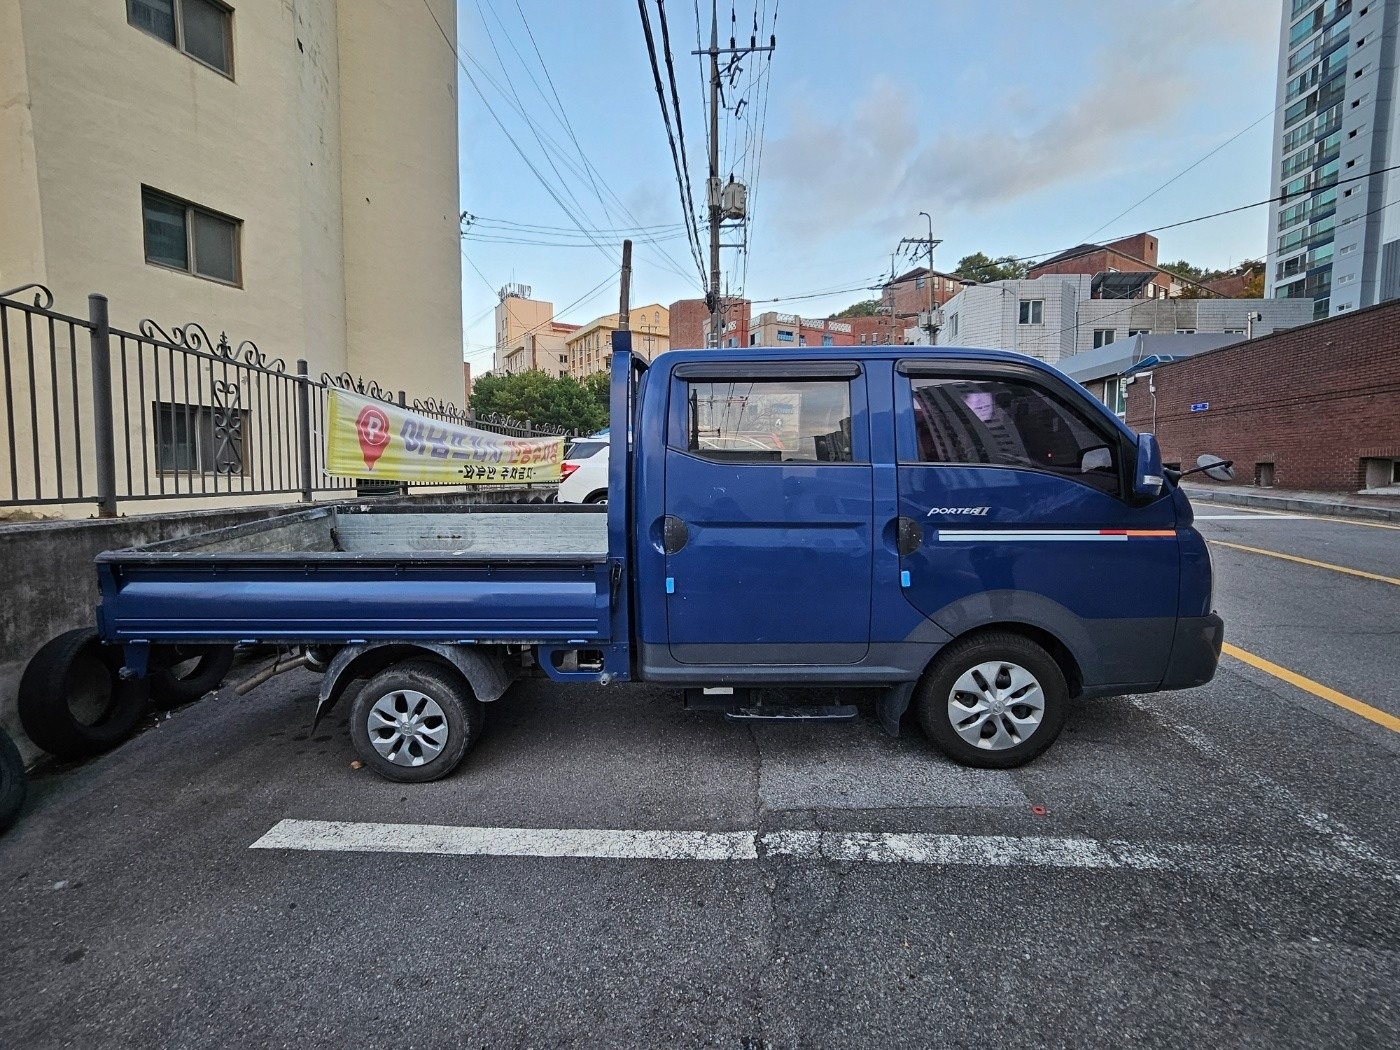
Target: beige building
(590, 348)
(528, 338)
(283, 171)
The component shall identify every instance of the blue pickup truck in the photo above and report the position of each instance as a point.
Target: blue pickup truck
(965, 533)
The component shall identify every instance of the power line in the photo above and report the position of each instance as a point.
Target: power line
(1186, 170)
(669, 263)
(680, 128)
(474, 220)
(681, 184)
(1230, 211)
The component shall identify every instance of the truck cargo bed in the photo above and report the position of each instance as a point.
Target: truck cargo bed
(353, 573)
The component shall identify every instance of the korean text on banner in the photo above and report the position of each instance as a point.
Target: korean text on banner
(366, 438)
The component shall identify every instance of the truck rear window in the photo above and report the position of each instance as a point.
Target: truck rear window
(770, 421)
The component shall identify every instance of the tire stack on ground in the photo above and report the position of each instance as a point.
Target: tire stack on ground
(73, 701)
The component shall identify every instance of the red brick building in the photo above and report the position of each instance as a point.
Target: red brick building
(690, 321)
(1315, 407)
(1129, 255)
(908, 295)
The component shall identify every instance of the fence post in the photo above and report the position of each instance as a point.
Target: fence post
(101, 335)
(304, 428)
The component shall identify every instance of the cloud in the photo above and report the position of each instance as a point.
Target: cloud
(1147, 74)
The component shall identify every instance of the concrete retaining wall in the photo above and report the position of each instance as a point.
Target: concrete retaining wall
(49, 584)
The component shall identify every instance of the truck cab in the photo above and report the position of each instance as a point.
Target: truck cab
(846, 515)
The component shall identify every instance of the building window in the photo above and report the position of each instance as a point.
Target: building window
(186, 237)
(202, 29)
(198, 439)
(1102, 337)
(770, 421)
(784, 336)
(918, 282)
(953, 326)
(1032, 311)
(1005, 422)
(1185, 331)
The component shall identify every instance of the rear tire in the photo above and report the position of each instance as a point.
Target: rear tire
(178, 681)
(13, 782)
(992, 701)
(597, 497)
(414, 721)
(77, 669)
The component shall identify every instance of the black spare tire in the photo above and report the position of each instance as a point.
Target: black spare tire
(13, 784)
(72, 701)
(181, 673)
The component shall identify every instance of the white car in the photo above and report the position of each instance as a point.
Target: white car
(584, 474)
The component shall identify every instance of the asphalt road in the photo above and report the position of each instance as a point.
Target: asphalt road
(1216, 867)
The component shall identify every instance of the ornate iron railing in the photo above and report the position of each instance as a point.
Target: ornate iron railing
(101, 416)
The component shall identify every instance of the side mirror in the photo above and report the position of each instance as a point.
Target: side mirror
(1147, 477)
(1096, 459)
(1215, 467)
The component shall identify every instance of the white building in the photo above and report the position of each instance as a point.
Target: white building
(1336, 238)
(1055, 317)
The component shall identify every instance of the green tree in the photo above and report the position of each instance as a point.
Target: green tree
(864, 308)
(982, 268)
(540, 398)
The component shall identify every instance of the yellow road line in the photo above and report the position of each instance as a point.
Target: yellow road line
(1356, 707)
(1308, 561)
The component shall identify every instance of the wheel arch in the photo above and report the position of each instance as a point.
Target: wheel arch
(485, 670)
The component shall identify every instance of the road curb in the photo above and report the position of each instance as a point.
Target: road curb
(1297, 504)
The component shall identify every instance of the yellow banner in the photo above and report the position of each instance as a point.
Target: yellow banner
(366, 438)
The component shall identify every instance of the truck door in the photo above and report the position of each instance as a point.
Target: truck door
(768, 527)
(1013, 507)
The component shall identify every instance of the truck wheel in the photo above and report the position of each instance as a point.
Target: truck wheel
(72, 702)
(992, 701)
(414, 721)
(187, 672)
(13, 784)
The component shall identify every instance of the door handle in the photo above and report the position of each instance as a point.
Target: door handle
(909, 536)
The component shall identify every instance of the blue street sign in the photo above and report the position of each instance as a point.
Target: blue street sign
(1200, 406)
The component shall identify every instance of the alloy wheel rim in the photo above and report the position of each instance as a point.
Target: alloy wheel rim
(407, 727)
(996, 705)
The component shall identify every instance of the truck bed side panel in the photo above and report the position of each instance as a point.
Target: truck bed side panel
(346, 602)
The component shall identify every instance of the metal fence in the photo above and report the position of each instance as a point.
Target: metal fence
(100, 416)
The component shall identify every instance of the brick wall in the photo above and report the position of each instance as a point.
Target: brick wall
(1314, 401)
(688, 317)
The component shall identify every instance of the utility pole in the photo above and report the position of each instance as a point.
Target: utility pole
(928, 243)
(712, 191)
(713, 188)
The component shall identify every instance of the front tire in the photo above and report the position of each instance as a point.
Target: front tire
(414, 721)
(993, 701)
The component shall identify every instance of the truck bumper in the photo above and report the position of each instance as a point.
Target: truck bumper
(1195, 651)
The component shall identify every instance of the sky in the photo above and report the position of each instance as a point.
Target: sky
(1021, 126)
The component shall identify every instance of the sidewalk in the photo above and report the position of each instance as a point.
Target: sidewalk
(1325, 504)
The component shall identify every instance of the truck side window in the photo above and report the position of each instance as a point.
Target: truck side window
(1006, 422)
(770, 421)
